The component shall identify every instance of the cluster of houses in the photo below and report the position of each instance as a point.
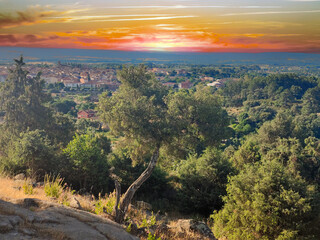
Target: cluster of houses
(88, 114)
(74, 77)
(77, 77)
(87, 81)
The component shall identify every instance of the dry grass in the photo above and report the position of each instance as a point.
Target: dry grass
(10, 189)
(13, 190)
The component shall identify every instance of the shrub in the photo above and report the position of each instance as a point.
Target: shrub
(267, 201)
(27, 188)
(148, 221)
(53, 186)
(153, 237)
(203, 181)
(31, 152)
(105, 204)
(86, 156)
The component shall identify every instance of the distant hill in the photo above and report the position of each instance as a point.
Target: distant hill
(108, 56)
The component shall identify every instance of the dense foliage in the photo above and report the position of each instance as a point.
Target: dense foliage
(267, 201)
(248, 152)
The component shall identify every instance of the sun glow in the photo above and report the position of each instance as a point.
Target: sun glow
(197, 27)
(165, 42)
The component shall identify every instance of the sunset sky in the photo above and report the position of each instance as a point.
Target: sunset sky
(166, 25)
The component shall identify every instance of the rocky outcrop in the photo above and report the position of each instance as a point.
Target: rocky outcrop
(35, 219)
(186, 225)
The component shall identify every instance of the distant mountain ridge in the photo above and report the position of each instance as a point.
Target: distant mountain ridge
(111, 56)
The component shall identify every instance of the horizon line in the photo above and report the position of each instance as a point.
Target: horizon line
(167, 52)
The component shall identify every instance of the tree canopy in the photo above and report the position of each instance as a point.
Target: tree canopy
(22, 99)
(144, 111)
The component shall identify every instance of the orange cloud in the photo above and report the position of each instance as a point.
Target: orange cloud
(32, 15)
(162, 38)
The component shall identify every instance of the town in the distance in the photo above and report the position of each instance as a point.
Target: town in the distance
(63, 79)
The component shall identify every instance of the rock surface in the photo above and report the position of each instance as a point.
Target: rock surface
(20, 177)
(185, 225)
(144, 205)
(39, 220)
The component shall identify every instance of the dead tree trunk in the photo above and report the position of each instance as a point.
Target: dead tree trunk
(118, 194)
(127, 197)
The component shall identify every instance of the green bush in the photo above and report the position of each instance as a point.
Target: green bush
(105, 204)
(268, 201)
(203, 181)
(86, 158)
(148, 221)
(31, 152)
(27, 188)
(53, 186)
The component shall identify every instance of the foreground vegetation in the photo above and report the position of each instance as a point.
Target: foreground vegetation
(246, 156)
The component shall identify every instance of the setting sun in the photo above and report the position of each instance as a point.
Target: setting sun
(192, 26)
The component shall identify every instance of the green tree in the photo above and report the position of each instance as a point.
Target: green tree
(144, 114)
(197, 121)
(280, 127)
(156, 190)
(137, 112)
(61, 129)
(64, 106)
(87, 158)
(22, 99)
(82, 124)
(311, 101)
(248, 152)
(268, 201)
(203, 181)
(31, 152)
(24, 102)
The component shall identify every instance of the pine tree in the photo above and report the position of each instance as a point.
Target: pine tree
(22, 99)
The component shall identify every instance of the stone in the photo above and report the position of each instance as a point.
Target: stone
(19, 177)
(5, 225)
(15, 220)
(144, 205)
(54, 221)
(203, 229)
(30, 202)
(185, 225)
(114, 232)
(26, 231)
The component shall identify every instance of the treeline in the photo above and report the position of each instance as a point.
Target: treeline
(275, 151)
(247, 154)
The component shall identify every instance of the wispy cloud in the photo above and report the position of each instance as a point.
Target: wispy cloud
(303, 0)
(259, 24)
(189, 6)
(273, 12)
(169, 27)
(94, 18)
(142, 19)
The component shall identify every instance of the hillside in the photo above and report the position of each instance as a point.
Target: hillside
(33, 218)
(38, 217)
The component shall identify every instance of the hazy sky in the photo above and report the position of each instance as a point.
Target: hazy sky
(175, 25)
